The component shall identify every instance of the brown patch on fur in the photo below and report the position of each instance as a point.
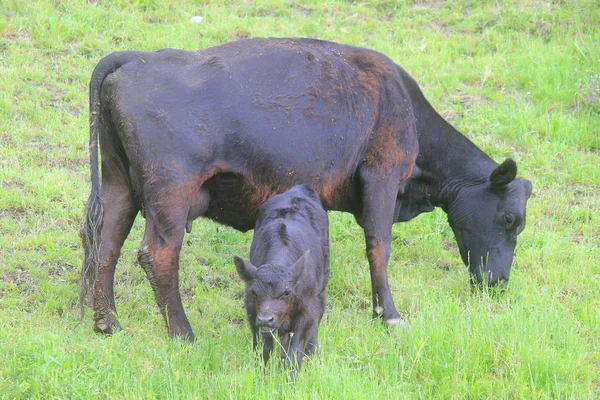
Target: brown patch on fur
(215, 61)
(175, 200)
(146, 262)
(371, 67)
(278, 307)
(370, 83)
(333, 188)
(167, 258)
(330, 194)
(376, 254)
(159, 262)
(369, 60)
(384, 151)
(258, 192)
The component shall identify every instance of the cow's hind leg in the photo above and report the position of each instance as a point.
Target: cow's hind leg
(120, 211)
(166, 221)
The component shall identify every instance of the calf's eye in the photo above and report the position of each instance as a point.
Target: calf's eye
(253, 294)
(288, 292)
(508, 219)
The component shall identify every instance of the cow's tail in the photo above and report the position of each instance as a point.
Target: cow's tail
(90, 232)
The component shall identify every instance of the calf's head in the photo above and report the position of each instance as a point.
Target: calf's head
(271, 294)
(486, 219)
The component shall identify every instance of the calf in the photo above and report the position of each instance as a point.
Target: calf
(286, 277)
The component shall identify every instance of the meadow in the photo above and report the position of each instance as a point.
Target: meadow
(519, 78)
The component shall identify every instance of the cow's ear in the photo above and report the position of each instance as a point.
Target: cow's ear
(244, 268)
(299, 266)
(504, 174)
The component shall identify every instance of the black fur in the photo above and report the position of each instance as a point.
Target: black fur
(286, 277)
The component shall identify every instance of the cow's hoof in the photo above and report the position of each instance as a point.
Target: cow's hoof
(183, 334)
(107, 326)
(186, 337)
(396, 322)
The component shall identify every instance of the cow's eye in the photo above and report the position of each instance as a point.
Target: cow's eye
(287, 292)
(509, 220)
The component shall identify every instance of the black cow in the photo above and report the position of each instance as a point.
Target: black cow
(216, 132)
(286, 277)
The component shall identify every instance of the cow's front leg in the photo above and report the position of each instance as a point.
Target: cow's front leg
(378, 253)
(376, 218)
(159, 257)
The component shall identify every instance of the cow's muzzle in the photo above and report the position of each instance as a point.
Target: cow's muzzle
(478, 283)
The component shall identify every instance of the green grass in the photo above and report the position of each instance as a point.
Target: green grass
(517, 77)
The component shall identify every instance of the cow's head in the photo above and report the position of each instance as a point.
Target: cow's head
(486, 219)
(270, 294)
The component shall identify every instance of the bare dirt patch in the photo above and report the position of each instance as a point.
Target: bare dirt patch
(20, 277)
(470, 100)
(8, 184)
(16, 213)
(443, 28)
(427, 5)
(19, 36)
(128, 279)
(59, 273)
(302, 11)
(215, 281)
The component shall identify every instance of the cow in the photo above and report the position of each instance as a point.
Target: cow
(286, 277)
(216, 132)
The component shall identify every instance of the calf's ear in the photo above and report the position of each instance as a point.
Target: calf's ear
(503, 174)
(244, 268)
(528, 187)
(299, 266)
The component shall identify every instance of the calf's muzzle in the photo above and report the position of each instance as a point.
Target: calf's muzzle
(266, 322)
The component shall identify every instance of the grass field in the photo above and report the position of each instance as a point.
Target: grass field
(519, 78)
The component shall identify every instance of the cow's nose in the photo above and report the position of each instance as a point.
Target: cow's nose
(265, 319)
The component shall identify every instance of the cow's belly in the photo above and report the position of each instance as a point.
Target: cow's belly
(235, 199)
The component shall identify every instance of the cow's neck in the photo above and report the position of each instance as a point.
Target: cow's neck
(447, 160)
